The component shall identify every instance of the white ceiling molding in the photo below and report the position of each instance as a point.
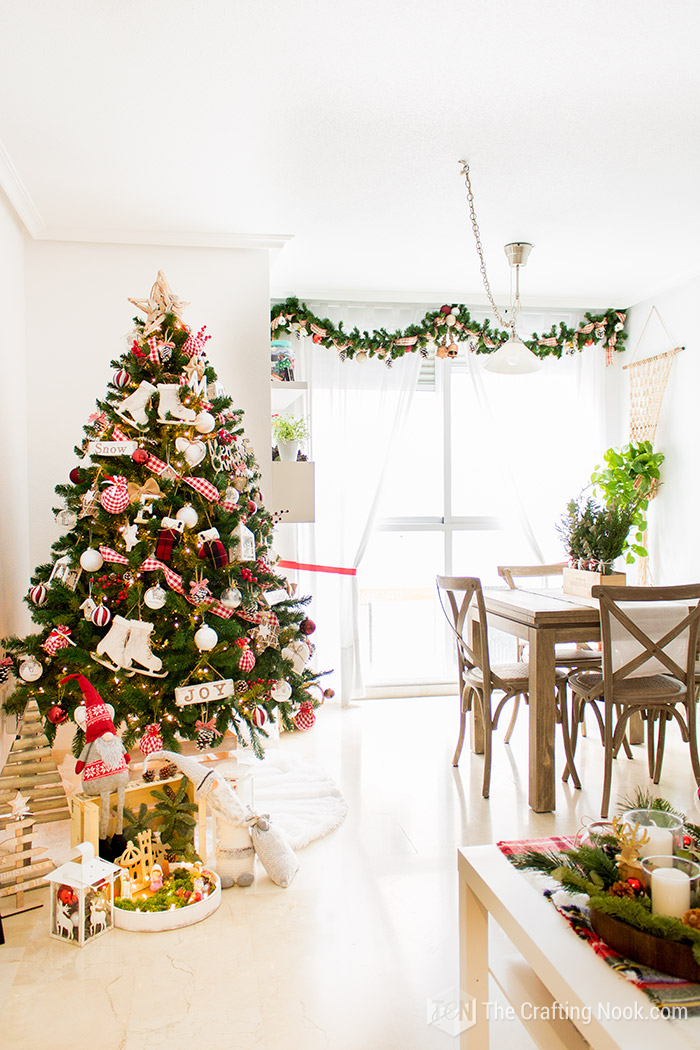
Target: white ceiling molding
(18, 195)
(165, 238)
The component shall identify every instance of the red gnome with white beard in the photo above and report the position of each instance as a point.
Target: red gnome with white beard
(103, 762)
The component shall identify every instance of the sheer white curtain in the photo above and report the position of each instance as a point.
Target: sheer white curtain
(358, 409)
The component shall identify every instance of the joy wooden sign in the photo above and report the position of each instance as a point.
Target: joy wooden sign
(204, 693)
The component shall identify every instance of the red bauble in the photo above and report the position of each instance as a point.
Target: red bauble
(56, 715)
(121, 378)
(445, 310)
(687, 841)
(307, 626)
(75, 475)
(139, 456)
(101, 616)
(316, 337)
(66, 896)
(39, 594)
(635, 884)
(259, 717)
(252, 507)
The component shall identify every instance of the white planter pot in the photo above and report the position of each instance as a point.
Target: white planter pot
(288, 451)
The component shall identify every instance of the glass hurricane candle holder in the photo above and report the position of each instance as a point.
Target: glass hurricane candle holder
(664, 831)
(597, 833)
(673, 883)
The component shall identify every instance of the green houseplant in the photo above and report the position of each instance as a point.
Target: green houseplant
(594, 534)
(288, 432)
(631, 478)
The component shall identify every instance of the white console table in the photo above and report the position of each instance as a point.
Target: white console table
(546, 964)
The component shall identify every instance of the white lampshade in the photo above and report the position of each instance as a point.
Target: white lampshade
(512, 358)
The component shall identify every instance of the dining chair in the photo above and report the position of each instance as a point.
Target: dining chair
(462, 601)
(649, 652)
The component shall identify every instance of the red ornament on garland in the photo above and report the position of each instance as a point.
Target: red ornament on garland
(305, 716)
(121, 378)
(307, 626)
(139, 456)
(445, 310)
(39, 594)
(56, 715)
(316, 337)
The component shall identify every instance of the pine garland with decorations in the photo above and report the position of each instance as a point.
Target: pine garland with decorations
(445, 329)
(161, 580)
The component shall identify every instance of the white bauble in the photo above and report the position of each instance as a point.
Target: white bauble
(155, 597)
(205, 638)
(205, 423)
(66, 518)
(281, 691)
(231, 598)
(91, 560)
(188, 515)
(231, 495)
(30, 670)
(195, 452)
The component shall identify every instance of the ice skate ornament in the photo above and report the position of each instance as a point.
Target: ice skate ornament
(133, 408)
(272, 848)
(169, 404)
(103, 760)
(128, 642)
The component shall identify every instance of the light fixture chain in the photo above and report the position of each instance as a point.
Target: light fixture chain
(480, 251)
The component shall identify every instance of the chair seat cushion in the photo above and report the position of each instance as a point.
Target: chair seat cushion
(653, 687)
(511, 675)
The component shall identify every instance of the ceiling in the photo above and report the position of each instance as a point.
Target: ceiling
(342, 124)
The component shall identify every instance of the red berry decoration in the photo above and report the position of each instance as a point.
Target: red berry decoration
(687, 841)
(56, 715)
(101, 616)
(39, 595)
(305, 716)
(259, 717)
(121, 378)
(75, 475)
(307, 626)
(139, 456)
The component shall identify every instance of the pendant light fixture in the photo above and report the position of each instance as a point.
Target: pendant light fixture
(512, 357)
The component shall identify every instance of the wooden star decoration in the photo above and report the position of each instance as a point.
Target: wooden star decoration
(160, 302)
(266, 634)
(88, 504)
(19, 806)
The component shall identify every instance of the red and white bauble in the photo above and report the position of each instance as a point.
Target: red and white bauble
(91, 560)
(121, 378)
(205, 423)
(259, 717)
(152, 739)
(39, 595)
(205, 638)
(101, 616)
(305, 717)
(246, 660)
(115, 498)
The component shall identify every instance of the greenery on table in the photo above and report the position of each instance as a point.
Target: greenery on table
(594, 533)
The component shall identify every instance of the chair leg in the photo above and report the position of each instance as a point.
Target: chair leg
(513, 719)
(651, 750)
(691, 722)
(564, 712)
(488, 737)
(577, 710)
(660, 740)
(460, 741)
(607, 775)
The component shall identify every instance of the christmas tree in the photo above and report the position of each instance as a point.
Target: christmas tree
(162, 591)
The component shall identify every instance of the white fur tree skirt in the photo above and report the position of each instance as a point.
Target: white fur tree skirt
(302, 800)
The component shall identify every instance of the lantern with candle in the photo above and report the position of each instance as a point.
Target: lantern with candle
(663, 831)
(82, 897)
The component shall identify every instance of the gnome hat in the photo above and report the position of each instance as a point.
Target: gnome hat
(98, 714)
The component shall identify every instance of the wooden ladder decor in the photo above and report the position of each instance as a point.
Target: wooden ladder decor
(22, 866)
(31, 769)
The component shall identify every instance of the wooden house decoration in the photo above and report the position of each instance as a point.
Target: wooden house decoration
(30, 768)
(138, 859)
(82, 897)
(22, 866)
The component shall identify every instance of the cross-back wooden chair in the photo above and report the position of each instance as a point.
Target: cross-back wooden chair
(462, 602)
(648, 666)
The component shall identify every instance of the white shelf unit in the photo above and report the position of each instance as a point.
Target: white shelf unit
(293, 484)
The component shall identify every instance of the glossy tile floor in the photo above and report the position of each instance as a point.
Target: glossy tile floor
(348, 956)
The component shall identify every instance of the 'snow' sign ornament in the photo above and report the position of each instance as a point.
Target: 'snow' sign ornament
(204, 693)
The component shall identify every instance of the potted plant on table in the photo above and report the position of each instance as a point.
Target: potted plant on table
(288, 432)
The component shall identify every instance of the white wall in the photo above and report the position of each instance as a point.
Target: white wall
(675, 513)
(77, 316)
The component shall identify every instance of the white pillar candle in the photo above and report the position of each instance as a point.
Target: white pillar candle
(670, 892)
(660, 842)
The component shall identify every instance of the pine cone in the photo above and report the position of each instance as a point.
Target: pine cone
(621, 889)
(167, 771)
(149, 775)
(692, 918)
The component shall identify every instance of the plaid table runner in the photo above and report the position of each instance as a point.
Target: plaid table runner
(663, 990)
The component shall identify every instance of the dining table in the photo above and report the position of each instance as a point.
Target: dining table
(543, 618)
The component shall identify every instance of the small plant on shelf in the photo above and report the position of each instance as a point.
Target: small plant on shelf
(289, 428)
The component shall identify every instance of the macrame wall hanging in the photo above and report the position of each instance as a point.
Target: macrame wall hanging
(648, 379)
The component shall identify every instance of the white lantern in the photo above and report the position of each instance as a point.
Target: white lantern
(188, 515)
(205, 638)
(82, 897)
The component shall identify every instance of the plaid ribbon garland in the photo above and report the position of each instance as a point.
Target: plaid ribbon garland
(156, 465)
(118, 434)
(173, 580)
(204, 488)
(110, 555)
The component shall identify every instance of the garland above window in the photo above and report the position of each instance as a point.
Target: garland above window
(445, 329)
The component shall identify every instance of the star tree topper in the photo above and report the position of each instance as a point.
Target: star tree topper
(161, 302)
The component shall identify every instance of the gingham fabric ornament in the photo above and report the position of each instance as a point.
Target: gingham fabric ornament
(58, 639)
(115, 499)
(195, 343)
(101, 616)
(39, 595)
(5, 666)
(246, 661)
(305, 716)
(151, 740)
(206, 733)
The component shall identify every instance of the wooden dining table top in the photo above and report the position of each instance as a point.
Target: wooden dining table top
(542, 608)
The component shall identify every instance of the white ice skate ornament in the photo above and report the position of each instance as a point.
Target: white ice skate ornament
(169, 404)
(126, 642)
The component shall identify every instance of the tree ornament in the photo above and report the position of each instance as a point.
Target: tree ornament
(215, 551)
(635, 884)
(316, 337)
(230, 499)
(155, 597)
(307, 626)
(39, 595)
(76, 475)
(281, 691)
(30, 670)
(224, 437)
(152, 739)
(168, 539)
(139, 456)
(206, 733)
(121, 378)
(188, 516)
(205, 638)
(246, 661)
(66, 518)
(231, 598)
(445, 310)
(205, 423)
(101, 616)
(305, 716)
(91, 560)
(5, 667)
(252, 506)
(56, 715)
(259, 717)
(115, 498)
(199, 591)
